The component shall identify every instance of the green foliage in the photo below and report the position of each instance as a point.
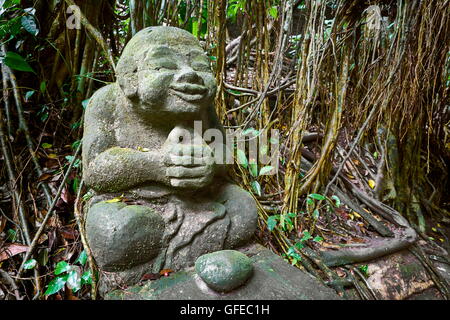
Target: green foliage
(30, 264)
(256, 187)
(29, 24)
(16, 62)
(191, 23)
(364, 269)
(272, 222)
(293, 251)
(265, 170)
(234, 6)
(70, 275)
(242, 158)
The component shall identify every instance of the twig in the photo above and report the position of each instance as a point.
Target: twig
(80, 223)
(24, 127)
(97, 36)
(50, 211)
(5, 275)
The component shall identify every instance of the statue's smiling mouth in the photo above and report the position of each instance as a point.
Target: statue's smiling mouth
(189, 91)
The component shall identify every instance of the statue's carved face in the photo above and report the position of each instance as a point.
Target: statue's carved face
(175, 80)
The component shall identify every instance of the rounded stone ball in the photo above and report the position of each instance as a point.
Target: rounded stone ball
(225, 270)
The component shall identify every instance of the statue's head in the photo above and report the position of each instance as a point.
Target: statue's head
(164, 70)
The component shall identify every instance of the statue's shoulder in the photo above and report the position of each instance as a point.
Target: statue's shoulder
(104, 101)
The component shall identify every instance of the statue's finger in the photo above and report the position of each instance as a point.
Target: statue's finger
(186, 161)
(187, 183)
(197, 151)
(183, 172)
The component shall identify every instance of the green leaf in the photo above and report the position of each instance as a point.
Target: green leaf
(30, 264)
(265, 170)
(75, 125)
(9, 3)
(256, 187)
(55, 285)
(43, 257)
(318, 239)
(293, 254)
(291, 214)
(264, 150)
(253, 168)
(316, 214)
(61, 267)
(289, 222)
(75, 184)
(28, 95)
(272, 222)
(242, 159)
(86, 277)
(306, 236)
(82, 258)
(75, 144)
(10, 28)
(29, 24)
(195, 28)
(316, 196)
(46, 145)
(76, 163)
(43, 86)
(16, 62)
(251, 131)
(299, 245)
(11, 235)
(274, 141)
(337, 201)
(84, 103)
(364, 269)
(74, 281)
(273, 11)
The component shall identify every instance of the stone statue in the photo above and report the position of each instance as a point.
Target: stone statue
(176, 209)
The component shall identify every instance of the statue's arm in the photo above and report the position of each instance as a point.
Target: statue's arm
(107, 167)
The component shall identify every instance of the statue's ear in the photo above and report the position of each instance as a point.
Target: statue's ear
(127, 78)
(129, 85)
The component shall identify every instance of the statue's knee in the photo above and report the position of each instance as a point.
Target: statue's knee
(243, 213)
(122, 236)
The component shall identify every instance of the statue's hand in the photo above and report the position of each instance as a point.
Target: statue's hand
(190, 166)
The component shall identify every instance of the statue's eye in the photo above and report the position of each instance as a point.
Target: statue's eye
(165, 65)
(201, 67)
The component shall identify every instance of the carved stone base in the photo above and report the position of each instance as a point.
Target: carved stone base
(272, 279)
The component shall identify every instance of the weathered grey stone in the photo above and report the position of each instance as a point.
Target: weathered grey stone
(224, 270)
(123, 236)
(137, 144)
(273, 279)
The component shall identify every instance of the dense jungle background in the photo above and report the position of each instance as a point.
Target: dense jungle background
(358, 90)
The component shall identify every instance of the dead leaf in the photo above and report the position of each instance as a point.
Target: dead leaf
(65, 195)
(2, 223)
(116, 199)
(69, 234)
(44, 177)
(150, 276)
(11, 249)
(165, 272)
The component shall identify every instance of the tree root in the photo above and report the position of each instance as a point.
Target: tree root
(375, 250)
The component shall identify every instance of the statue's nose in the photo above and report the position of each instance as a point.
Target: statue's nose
(189, 76)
